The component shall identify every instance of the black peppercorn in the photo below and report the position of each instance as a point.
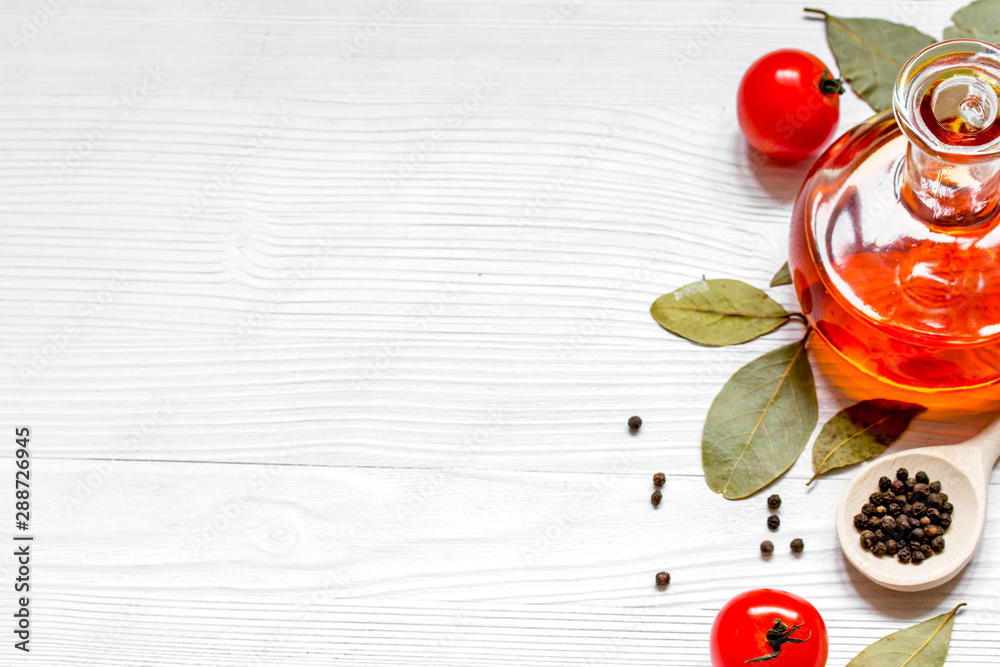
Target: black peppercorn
(634, 423)
(906, 518)
(773, 522)
(656, 498)
(867, 540)
(766, 548)
(774, 502)
(659, 479)
(797, 545)
(662, 579)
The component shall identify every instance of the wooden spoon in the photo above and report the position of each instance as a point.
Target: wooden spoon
(964, 471)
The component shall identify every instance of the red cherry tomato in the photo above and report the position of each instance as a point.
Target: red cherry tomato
(765, 622)
(788, 104)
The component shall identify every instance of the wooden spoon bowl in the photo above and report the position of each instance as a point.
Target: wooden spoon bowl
(964, 472)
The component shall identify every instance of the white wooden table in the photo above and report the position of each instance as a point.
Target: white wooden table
(327, 342)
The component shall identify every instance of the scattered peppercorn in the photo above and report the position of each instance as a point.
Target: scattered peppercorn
(634, 423)
(662, 578)
(797, 546)
(766, 548)
(773, 522)
(656, 498)
(906, 518)
(774, 502)
(659, 479)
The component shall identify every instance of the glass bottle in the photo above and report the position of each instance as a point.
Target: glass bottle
(895, 239)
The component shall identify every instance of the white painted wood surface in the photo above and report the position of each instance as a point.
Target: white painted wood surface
(387, 345)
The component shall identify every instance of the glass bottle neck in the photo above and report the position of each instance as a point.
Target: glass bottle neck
(945, 194)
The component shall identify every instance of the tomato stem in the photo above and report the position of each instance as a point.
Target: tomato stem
(828, 85)
(777, 637)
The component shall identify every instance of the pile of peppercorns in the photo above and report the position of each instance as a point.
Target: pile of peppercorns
(907, 518)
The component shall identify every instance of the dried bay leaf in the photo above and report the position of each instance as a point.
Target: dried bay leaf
(760, 422)
(858, 433)
(782, 277)
(922, 645)
(871, 52)
(718, 312)
(979, 20)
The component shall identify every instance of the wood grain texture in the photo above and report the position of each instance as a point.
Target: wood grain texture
(287, 323)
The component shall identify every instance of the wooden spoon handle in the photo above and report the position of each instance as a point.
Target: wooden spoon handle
(987, 442)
